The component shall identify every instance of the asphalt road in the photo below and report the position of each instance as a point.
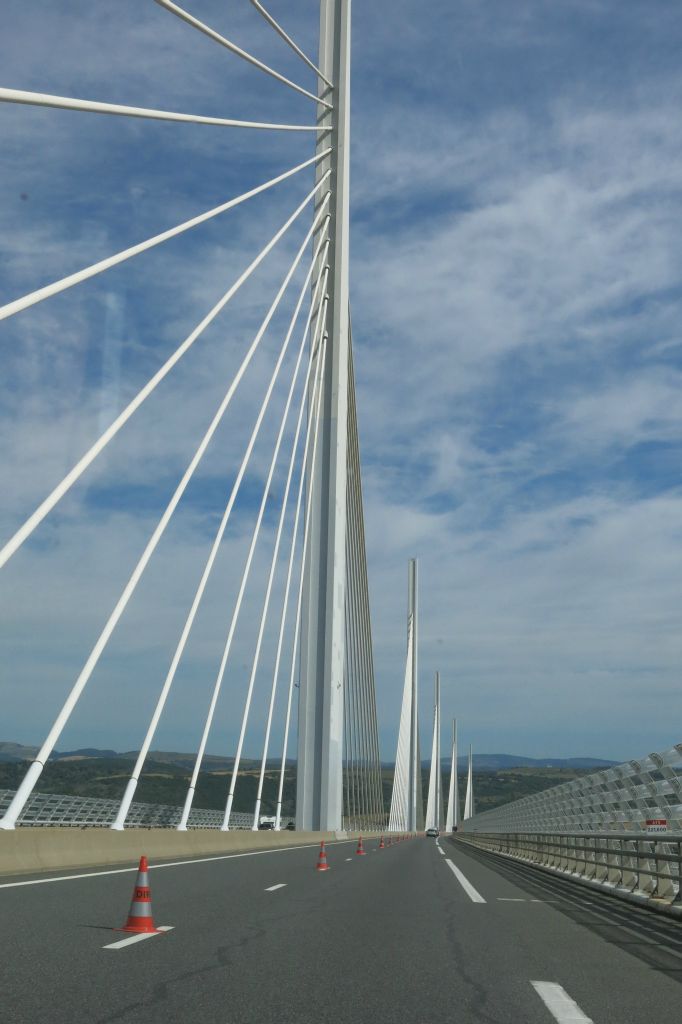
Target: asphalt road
(390, 937)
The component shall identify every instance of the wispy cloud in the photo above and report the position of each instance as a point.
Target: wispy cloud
(516, 308)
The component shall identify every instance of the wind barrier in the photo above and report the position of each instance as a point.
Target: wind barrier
(52, 809)
(623, 798)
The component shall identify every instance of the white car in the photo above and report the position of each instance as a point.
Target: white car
(433, 833)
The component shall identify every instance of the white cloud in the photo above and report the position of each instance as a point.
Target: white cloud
(516, 307)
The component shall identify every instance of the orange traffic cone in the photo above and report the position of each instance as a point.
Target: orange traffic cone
(140, 914)
(360, 852)
(381, 843)
(322, 859)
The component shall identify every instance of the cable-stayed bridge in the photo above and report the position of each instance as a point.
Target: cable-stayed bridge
(541, 910)
(315, 589)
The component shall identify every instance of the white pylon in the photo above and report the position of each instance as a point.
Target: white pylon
(434, 801)
(452, 816)
(399, 814)
(469, 800)
(319, 777)
(407, 809)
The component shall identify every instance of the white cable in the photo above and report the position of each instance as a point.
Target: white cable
(45, 99)
(11, 308)
(25, 531)
(287, 39)
(235, 767)
(233, 48)
(218, 683)
(266, 603)
(189, 622)
(355, 484)
(285, 602)
(26, 787)
(306, 529)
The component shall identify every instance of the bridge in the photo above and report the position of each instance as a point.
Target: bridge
(353, 894)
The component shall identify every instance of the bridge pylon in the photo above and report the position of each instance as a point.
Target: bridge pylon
(319, 795)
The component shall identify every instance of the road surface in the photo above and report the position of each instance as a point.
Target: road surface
(426, 932)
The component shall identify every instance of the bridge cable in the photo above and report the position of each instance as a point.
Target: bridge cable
(247, 706)
(45, 99)
(25, 531)
(322, 355)
(189, 622)
(245, 574)
(26, 787)
(233, 48)
(11, 308)
(364, 597)
(273, 688)
(290, 42)
(273, 566)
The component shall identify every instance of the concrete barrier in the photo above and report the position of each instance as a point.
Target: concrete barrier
(31, 850)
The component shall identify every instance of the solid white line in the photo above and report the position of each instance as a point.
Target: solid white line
(171, 864)
(138, 938)
(510, 899)
(559, 1003)
(473, 894)
(280, 885)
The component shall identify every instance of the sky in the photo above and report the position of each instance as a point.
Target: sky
(516, 297)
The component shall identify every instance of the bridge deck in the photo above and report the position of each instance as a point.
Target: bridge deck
(393, 936)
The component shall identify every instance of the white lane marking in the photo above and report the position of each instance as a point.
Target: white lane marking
(138, 938)
(442, 852)
(511, 899)
(349, 858)
(473, 894)
(280, 885)
(171, 864)
(559, 1003)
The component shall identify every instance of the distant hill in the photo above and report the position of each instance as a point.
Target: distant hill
(12, 752)
(498, 762)
(15, 752)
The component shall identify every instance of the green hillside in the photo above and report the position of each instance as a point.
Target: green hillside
(165, 783)
(159, 783)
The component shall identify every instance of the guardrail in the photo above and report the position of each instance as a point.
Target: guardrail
(59, 810)
(620, 798)
(642, 868)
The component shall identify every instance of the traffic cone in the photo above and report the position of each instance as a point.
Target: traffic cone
(381, 843)
(140, 914)
(360, 851)
(322, 859)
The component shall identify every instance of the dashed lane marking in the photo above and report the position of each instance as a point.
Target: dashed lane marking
(473, 894)
(280, 885)
(557, 1000)
(138, 938)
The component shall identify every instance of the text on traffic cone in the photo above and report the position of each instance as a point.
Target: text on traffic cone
(140, 914)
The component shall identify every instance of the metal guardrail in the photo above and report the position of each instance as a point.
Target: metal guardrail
(621, 799)
(53, 809)
(635, 866)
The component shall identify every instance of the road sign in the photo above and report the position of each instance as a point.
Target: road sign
(656, 825)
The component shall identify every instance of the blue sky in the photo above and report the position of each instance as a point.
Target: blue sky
(516, 304)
